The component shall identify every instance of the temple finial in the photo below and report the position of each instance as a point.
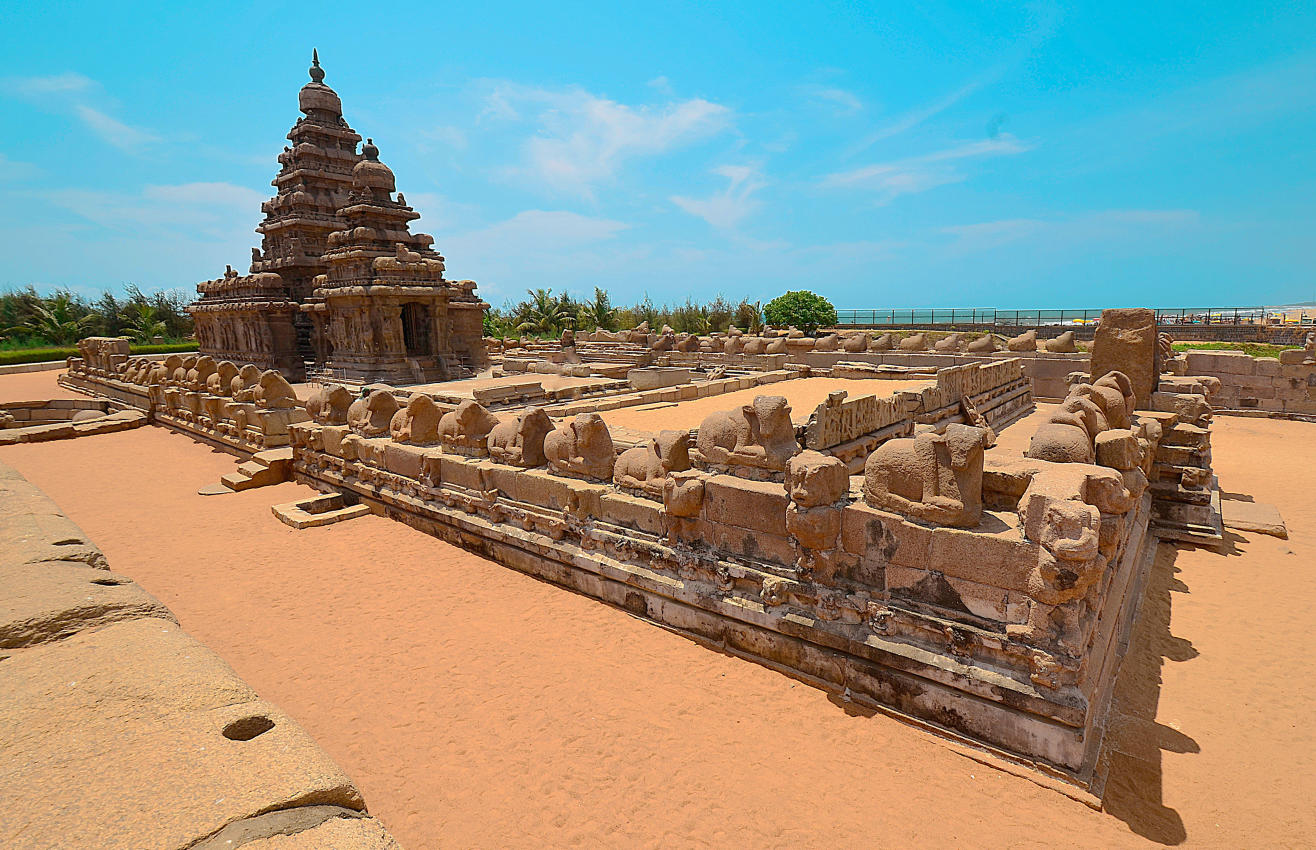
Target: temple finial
(369, 151)
(317, 73)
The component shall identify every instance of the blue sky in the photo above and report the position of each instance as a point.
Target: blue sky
(886, 155)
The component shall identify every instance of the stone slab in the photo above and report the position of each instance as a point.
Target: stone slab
(136, 735)
(49, 601)
(1253, 516)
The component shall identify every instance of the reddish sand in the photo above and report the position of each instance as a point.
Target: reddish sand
(476, 706)
(804, 395)
(33, 386)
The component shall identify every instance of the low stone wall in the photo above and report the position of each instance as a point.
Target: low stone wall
(62, 419)
(120, 730)
(975, 629)
(1256, 383)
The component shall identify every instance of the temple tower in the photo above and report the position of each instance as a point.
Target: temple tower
(314, 179)
(383, 310)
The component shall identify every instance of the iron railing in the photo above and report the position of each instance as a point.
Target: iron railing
(1038, 318)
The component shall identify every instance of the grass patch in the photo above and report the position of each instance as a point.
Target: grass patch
(1251, 349)
(52, 353)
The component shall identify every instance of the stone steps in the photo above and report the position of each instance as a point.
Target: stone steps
(272, 466)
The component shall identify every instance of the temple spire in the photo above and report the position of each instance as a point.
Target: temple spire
(317, 73)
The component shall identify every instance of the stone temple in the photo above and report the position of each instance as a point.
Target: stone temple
(340, 286)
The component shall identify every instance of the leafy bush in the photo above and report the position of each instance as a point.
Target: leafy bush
(51, 353)
(806, 310)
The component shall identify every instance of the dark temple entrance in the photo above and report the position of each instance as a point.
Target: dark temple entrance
(416, 328)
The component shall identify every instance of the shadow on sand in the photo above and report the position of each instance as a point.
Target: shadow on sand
(1134, 743)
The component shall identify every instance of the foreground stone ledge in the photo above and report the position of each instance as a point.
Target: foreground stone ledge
(118, 730)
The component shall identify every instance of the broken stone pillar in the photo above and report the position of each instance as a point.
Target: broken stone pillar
(1126, 342)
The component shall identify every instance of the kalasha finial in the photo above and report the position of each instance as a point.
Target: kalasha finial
(317, 73)
(369, 151)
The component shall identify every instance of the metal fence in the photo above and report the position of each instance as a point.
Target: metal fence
(1037, 318)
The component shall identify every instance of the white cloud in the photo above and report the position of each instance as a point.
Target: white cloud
(210, 210)
(844, 102)
(726, 209)
(583, 139)
(661, 84)
(65, 83)
(915, 117)
(82, 98)
(11, 169)
(912, 175)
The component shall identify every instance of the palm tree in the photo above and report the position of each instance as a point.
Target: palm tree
(599, 312)
(542, 314)
(143, 324)
(54, 321)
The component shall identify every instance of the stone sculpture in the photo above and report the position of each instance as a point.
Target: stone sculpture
(984, 344)
(1113, 393)
(817, 485)
(466, 430)
(1026, 341)
(274, 392)
(371, 416)
(826, 343)
(329, 405)
(1069, 434)
(520, 441)
(882, 342)
(754, 440)
(1126, 341)
(416, 423)
(220, 381)
(244, 385)
(581, 448)
(689, 343)
(754, 345)
(1063, 344)
(930, 476)
(855, 342)
(951, 342)
(198, 376)
(914, 342)
(646, 467)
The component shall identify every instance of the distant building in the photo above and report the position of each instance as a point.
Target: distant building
(340, 284)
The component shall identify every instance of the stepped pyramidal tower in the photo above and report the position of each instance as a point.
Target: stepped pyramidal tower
(340, 285)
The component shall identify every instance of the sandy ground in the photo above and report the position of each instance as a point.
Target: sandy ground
(477, 707)
(804, 395)
(33, 386)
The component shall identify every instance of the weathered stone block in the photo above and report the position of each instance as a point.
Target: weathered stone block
(1126, 341)
(1000, 559)
(404, 460)
(1118, 449)
(757, 505)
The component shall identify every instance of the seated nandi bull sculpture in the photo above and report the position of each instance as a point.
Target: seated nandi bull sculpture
(329, 405)
(274, 392)
(646, 467)
(755, 440)
(416, 423)
(520, 441)
(581, 448)
(371, 416)
(930, 476)
(465, 431)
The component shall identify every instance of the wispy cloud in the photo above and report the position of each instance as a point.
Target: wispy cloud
(11, 169)
(218, 210)
(84, 99)
(917, 116)
(843, 102)
(1100, 225)
(912, 175)
(727, 208)
(582, 139)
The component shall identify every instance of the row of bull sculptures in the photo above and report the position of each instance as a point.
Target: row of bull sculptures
(795, 342)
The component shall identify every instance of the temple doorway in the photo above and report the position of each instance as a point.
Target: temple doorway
(416, 328)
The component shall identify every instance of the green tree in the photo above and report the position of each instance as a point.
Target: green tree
(749, 316)
(598, 314)
(57, 320)
(806, 310)
(542, 314)
(142, 323)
